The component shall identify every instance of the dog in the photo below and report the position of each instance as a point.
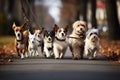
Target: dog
(76, 39)
(39, 36)
(60, 45)
(47, 47)
(92, 43)
(33, 45)
(21, 40)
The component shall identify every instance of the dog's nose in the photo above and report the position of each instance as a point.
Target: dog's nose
(49, 39)
(94, 37)
(38, 35)
(62, 34)
(81, 29)
(18, 34)
(32, 41)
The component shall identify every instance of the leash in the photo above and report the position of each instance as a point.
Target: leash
(80, 37)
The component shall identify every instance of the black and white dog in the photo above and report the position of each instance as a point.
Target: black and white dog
(92, 43)
(47, 45)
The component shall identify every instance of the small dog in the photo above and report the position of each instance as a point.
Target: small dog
(60, 45)
(92, 43)
(38, 33)
(47, 47)
(76, 39)
(21, 41)
(33, 45)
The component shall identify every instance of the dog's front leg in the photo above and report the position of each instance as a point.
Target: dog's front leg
(61, 55)
(21, 54)
(56, 53)
(36, 52)
(95, 54)
(47, 52)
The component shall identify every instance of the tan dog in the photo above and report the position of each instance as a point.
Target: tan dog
(76, 39)
(21, 41)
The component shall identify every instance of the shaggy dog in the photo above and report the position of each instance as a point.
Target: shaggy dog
(92, 43)
(76, 39)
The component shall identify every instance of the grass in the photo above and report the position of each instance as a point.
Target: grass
(5, 40)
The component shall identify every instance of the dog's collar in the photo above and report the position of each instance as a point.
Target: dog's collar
(20, 40)
(60, 39)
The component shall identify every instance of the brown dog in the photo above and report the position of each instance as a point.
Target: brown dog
(21, 41)
(76, 39)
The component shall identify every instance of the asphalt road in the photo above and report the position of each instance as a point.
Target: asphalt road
(65, 69)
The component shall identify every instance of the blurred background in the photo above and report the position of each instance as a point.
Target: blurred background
(101, 14)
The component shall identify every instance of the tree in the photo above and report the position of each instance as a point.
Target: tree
(81, 12)
(93, 16)
(112, 18)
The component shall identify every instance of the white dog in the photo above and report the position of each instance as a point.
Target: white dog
(33, 45)
(60, 45)
(92, 43)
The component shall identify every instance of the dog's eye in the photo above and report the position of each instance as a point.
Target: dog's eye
(65, 31)
(91, 34)
(59, 31)
(78, 25)
(82, 25)
(95, 33)
(16, 30)
(20, 30)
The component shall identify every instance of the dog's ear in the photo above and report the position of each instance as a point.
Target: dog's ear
(66, 28)
(29, 32)
(24, 25)
(42, 30)
(14, 25)
(55, 27)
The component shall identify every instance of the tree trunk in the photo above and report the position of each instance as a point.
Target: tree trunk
(112, 18)
(93, 16)
(82, 10)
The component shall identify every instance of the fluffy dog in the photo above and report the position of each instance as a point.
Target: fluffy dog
(33, 45)
(21, 41)
(76, 39)
(92, 43)
(47, 47)
(60, 45)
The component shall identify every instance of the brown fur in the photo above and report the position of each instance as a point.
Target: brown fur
(76, 39)
(23, 41)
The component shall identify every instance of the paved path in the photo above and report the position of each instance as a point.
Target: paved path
(65, 69)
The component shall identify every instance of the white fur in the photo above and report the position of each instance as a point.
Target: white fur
(89, 45)
(33, 45)
(60, 47)
(46, 46)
